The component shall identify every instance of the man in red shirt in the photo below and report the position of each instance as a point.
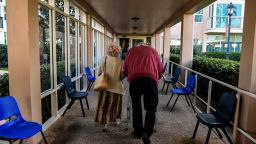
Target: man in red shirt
(143, 67)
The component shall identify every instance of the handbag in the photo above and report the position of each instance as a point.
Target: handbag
(101, 83)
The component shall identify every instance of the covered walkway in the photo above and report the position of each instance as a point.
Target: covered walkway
(171, 127)
(48, 39)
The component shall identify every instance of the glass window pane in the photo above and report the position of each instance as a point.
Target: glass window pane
(59, 4)
(72, 40)
(61, 97)
(81, 28)
(44, 43)
(72, 11)
(46, 108)
(95, 41)
(60, 47)
(198, 18)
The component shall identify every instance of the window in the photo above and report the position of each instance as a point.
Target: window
(62, 43)
(199, 16)
(1, 22)
(45, 49)
(4, 12)
(59, 4)
(5, 38)
(60, 47)
(222, 16)
(72, 47)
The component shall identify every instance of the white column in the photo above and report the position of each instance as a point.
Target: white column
(247, 77)
(23, 58)
(158, 43)
(167, 40)
(186, 52)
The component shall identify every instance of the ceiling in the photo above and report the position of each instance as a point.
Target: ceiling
(152, 14)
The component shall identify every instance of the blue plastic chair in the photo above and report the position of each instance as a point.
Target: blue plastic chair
(74, 95)
(91, 79)
(220, 118)
(171, 80)
(16, 128)
(186, 91)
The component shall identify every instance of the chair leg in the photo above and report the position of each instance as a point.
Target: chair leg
(81, 103)
(187, 100)
(174, 103)
(226, 134)
(89, 86)
(45, 141)
(195, 131)
(163, 87)
(68, 107)
(174, 85)
(218, 133)
(191, 104)
(167, 88)
(169, 100)
(208, 135)
(87, 103)
(21, 141)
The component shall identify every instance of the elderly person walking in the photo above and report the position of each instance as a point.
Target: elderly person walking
(109, 106)
(143, 67)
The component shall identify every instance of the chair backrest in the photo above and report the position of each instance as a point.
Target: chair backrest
(68, 85)
(191, 82)
(88, 71)
(165, 66)
(225, 107)
(8, 107)
(176, 75)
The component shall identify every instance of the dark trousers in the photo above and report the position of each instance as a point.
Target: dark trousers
(148, 88)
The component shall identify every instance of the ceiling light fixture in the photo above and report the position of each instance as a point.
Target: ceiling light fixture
(135, 18)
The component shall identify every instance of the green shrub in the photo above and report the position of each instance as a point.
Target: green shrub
(221, 69)
(45, 76)
(3, 56)
(175, 58)
(222, 55)
(4, 85)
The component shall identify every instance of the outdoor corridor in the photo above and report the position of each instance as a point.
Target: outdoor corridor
(171, 127)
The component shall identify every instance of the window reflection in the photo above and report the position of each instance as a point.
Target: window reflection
(44, 44)
(60, 46)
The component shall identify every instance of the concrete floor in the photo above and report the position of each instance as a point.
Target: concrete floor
(171, 127)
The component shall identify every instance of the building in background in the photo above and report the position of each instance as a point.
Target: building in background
(3, 29)
(210, 27)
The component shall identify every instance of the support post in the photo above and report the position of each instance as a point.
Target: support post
(23, 58)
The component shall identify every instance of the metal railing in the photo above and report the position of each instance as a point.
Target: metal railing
(209, 97)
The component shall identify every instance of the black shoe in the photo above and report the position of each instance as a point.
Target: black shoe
(145, 138)
(137, 135)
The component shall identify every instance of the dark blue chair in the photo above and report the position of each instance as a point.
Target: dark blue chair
(16, 128)
(91, 79)
(74, 95)
(186, 91)
(220, 118)
(171, 80)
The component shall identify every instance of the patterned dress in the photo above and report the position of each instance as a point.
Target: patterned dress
(109, 107)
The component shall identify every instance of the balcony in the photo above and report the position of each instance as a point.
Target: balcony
(218, 24)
